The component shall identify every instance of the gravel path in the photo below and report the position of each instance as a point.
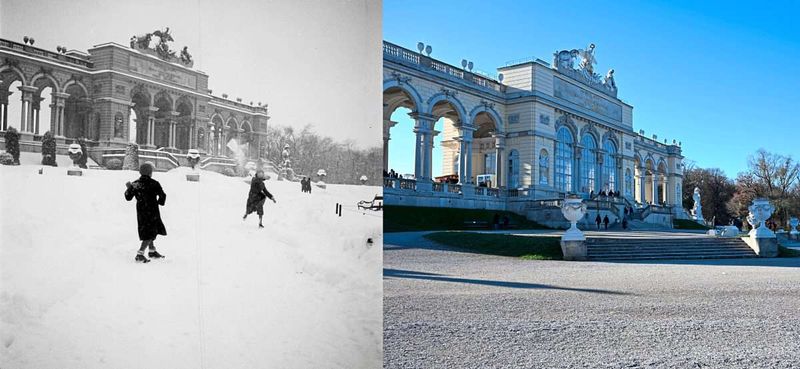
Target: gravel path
(448, 309)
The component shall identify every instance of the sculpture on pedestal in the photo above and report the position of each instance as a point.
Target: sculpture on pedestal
(363, 179)
(286, 171)
(162, 50)
(697, 210)
(193, 157)
(793, 222)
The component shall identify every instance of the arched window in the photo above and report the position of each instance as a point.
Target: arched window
(490, 163)
(513, 169)
(610, 166)
(628, 182)
(544, 170)
(588, 164)
(563, 167)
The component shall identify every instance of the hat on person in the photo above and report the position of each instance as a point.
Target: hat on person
(146, 169)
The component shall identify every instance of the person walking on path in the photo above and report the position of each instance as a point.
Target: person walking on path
(149, 196)
(605, 222)
(256, 197)
(597, 220)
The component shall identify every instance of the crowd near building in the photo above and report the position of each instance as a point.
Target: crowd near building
(114, 94)
(535, 132)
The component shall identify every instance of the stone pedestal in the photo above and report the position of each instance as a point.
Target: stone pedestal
(74, 172)
(468, 190)
(574, 250)
(193, 177)
(765, 247)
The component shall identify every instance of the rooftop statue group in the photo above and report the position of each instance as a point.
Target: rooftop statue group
(565, 62)
(162, 50)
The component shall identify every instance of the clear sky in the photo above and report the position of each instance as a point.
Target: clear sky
(314, 62)
(721, 77)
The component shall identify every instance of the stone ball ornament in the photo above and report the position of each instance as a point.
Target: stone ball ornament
(760, 210)
(574, 210)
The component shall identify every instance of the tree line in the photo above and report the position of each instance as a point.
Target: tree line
(772, 176)
(343, 161)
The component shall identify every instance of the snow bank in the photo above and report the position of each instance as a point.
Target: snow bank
(305, 292)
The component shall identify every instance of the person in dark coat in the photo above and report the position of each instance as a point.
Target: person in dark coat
(605, 222)
(597, 220)
(256, 198)
(149, 196)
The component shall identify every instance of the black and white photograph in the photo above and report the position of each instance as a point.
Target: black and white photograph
(190, 184)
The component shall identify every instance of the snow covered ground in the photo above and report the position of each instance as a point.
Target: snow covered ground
(305, 292)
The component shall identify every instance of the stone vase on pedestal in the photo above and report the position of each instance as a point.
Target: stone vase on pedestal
(794, 222)
(75, 154)
(193, 157)
(573, 242)
(762, 240)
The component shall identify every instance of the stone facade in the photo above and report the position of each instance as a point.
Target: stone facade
(543, 131)
(115, 94)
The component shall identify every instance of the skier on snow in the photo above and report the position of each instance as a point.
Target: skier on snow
(149, 195)
(257, 196)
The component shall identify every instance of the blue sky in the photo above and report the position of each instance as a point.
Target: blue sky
(722, 77)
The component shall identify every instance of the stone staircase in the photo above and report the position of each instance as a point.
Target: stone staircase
(667, 248)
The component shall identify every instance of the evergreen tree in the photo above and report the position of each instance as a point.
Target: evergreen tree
(85, 157)
(49, 150)
(12, 144)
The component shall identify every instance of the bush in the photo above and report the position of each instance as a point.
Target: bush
(12, 144)
(114, 164)
(131, 157)
(228, 171)
(6, 158)
(49, 150)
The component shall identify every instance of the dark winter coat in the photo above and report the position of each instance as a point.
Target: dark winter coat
(149, 196)
(258, 194)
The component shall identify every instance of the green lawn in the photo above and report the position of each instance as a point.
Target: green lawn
(412, 218)
(525, 247)
(687, 224)
(785, 252)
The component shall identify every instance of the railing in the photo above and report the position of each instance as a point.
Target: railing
(398, 52)
(454, 188)
(388, 183)
(480, 191)
(493, 192)
(28, 49)
(407, 184)
(438, 187)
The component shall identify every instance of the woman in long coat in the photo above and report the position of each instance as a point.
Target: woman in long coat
(149, 195)
(256, 197)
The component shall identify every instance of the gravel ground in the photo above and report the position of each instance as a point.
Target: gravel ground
(448, 309)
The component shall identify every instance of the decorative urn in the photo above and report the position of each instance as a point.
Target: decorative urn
(75, 153)
(574, 210)
(761, 210)
(363, 179)
(793, 222)
(193, 157)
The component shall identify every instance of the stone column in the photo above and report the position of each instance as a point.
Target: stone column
(4, 107)
(468, 155)
(424, 146)
(387, 126)
(642, 175)
(576, 174)
(26, 119)
(151, 127)
(57, 113)
(600, 179)
(499, 150)
(36, 110)
(655, 195)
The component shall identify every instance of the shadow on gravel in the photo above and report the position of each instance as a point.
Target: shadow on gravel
(397, 273)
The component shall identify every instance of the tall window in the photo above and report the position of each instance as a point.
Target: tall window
(513, 168)
(628, 182)
(588, 164)
(563, 166)
(544, 171)
(610, 165)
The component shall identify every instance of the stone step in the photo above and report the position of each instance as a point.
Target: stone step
(671, 257)
(667, 248)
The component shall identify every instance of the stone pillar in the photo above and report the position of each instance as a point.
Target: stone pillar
(499, 147)
(468, 159)
(424, 149)
(4, 107)
(576, 174)
(655, 195)
(36, 110)
(642, 175)
(600, 179)
(26, 119)
(57, 114)
(387, 126)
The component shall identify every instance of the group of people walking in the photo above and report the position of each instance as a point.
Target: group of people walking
(150, 195)
(305, 184)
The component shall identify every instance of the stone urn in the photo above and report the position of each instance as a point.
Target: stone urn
(193, 157)
(75, 153)
(760, 211)
(363, 180)
(574, 210)
(793, 222)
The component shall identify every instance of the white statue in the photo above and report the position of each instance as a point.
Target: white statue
(760, 210)
(609, 80)
(697, 211)
(587, 59)
(574, 210)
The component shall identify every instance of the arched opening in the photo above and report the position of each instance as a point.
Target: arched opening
(231, 138)
(564, 161)
(485, 161)
(215, 134)
(649, 172)
(13, 103)
(77, 109)
(399, 139)
(138, 130)
(163, 117)
(610, 181)
(661, 184)
(247, 139)
(446, 148)
(183, 130)
(42, 101)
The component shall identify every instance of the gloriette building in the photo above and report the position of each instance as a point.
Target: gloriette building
(143, 92)
(524, 140)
